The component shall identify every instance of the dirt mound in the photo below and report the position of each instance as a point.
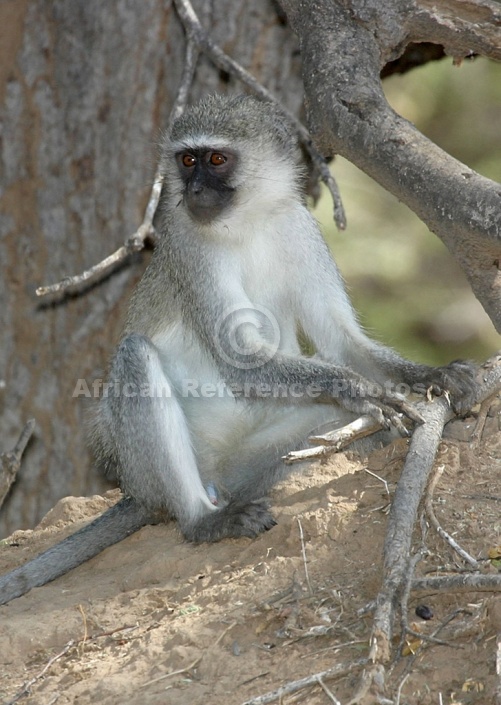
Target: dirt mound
(155, 620)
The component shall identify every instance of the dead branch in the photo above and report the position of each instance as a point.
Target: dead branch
(403, 513)
(476, 436)
(196, 32)
(189, 66)
(137, 241)
(196, 39)
(398, 567)
(334, 441)
(428, 504)
(293, 686)
(458, 583)
(498, 667)
(349, 115)
(10, 462)
(431, 639)
(134, 243)
(404, 626)
(26, 689)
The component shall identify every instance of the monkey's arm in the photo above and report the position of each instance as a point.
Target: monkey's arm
(247, 353)
(115, 524)
(327, 317)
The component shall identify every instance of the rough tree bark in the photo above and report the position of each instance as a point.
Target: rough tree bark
(345, 45)
(85, 88)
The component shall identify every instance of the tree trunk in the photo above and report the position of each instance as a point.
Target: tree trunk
(85, 88)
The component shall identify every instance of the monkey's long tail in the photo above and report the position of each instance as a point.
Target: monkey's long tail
(115, 524)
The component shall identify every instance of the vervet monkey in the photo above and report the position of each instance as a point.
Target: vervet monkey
(208, 387)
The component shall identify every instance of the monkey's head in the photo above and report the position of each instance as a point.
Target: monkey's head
(227, 154)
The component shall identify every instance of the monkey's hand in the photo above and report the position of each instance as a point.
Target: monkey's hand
(363, 397)
(232, 521)
(457, 380)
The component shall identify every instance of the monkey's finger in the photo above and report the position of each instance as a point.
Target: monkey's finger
(404, 407)
(385, 417)
(396, 421)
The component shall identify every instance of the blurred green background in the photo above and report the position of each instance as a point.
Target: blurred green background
(406, 287)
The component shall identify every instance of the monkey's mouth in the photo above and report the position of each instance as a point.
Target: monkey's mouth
(208, 204)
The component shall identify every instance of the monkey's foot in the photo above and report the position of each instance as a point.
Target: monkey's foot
(232, 521)
(458, 381)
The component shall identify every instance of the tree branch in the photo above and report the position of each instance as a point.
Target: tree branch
(136, 242)
(334, 441)
(458, 583)
(340, 669)
(403, 513)
(10, 462)
(344, 46)
(196, 32)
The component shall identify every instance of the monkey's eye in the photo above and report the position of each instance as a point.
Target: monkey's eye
(188, 160)
(217, 159)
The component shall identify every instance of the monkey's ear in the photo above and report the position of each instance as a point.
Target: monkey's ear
(311, 179)
(157, 218)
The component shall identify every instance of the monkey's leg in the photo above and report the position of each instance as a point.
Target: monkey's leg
(255, 465)
(157, 465)
(258, 465)
(149, 436)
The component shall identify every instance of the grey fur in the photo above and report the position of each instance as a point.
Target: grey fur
(239, 267)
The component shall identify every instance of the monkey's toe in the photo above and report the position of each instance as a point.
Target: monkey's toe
(233, 521)
(458, 380)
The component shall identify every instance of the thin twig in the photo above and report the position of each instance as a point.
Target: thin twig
(334, 441)
(189, 66)
(10, 461)
(381, 479)
(25, 690)
(298, 456)
(340, 669)
(405, 595)
(26, 687)
(135, 243)
(194, 29)
(476, 436)
(326, 690)
(85, 636)
(498, 668)
(186, 669)
(303, 551)
(192, 665)
(400, 686)
(432, 638)
(436, 525)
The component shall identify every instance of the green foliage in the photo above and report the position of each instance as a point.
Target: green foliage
(408, 289)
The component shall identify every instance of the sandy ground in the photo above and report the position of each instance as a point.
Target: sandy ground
(154, 620)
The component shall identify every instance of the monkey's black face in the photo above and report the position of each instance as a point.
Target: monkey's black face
(206, 174)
